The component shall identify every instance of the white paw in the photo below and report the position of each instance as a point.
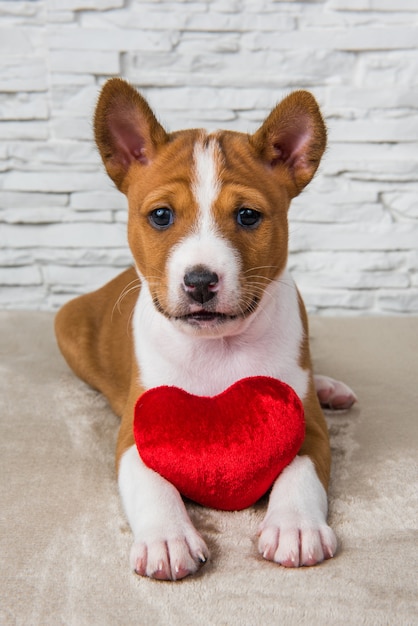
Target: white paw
(296, 546)
(294, 531)
(171, 558)
(334, 394)
(167, 545)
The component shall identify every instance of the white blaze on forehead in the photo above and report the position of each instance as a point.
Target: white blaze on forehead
(205, 245)
(206, 182)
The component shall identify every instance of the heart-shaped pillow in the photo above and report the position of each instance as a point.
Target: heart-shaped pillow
(223, 451)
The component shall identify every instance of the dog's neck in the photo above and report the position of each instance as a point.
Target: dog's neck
(168, 355)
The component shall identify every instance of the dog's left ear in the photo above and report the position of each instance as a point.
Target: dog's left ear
(292, 140)
(126, 130)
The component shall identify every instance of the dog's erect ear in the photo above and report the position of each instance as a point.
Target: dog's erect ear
(125, 129)
(293, 139)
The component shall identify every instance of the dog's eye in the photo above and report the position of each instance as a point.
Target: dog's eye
(248, 218)
(161, 218)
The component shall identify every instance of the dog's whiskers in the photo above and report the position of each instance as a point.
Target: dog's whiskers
(260, 267)
(132, 286)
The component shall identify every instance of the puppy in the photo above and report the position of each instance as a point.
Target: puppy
(209, 302)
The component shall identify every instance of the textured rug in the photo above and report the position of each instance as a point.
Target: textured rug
(64, 541)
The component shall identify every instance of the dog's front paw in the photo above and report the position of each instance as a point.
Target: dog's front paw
(295, 531)
(169, 558)
(334, 394)
(296, 546)
(167, 545)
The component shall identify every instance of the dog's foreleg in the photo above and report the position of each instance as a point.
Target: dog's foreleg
(295, 531)
(166, 544)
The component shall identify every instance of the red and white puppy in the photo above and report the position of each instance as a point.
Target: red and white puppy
(208, 303)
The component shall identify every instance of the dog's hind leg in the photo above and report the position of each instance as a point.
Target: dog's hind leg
(333, 394)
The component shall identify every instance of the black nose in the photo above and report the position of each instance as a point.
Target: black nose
(201, 284)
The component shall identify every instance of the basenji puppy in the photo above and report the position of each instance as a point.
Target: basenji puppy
(209, 302)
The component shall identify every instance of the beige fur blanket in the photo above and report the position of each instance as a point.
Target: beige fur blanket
(64, 541)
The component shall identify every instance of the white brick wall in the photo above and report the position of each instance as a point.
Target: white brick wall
(213, 63)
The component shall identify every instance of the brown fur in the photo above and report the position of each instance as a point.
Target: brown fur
(153, 169)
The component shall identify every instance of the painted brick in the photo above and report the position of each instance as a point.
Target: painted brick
(23, 107)
(92, 277)
(75, 41)
(4, 166)
(20, 41)
(220, 63)
(23, 297)
(380, 130)
(344, 299)
(185, 98)
(24, 200)
(11, 258)
(149, 16)
(73, 154)
(405, 204)
(66, 128)
(351, 280)
(274, 69)
(396, 67)
(329, 213)
(76, 61)
(373, 5)
(58, 79)
(143, 17)
(53, 181)
(335, 19)
(393, 236)
(74, 100)
(71, 235)
(59, 17)
(365, 98)
(87, 201)
(362, 38)
(73, 257)
(23, 130)
(79, 5)
(358, 261)
(396, 302)
(376, 169)
(51, 215)
(121, 216)
(22, 10)
(26, 275)
(118, 258)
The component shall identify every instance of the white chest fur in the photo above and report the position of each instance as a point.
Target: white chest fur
(268, 344)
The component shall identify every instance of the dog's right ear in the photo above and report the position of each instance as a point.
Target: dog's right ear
(292, 140)
(126, 130)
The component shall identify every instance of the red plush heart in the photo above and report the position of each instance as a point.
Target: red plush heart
(223, 451)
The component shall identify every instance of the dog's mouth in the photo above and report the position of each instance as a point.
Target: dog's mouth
(203, 318)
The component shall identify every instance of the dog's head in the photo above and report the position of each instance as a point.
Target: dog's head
(208, 212)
